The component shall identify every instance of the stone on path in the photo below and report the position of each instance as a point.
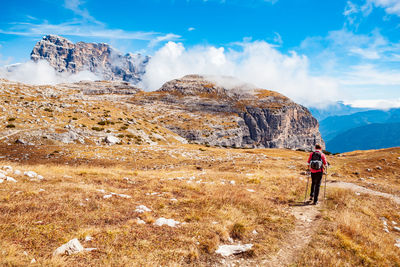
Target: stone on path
(228, 250)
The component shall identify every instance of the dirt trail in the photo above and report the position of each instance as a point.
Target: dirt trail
(307, 221)
(361, 189)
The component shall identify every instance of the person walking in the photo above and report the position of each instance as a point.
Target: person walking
(317, 164)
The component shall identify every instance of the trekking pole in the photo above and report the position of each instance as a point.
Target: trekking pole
(305, 196)
(326, 174)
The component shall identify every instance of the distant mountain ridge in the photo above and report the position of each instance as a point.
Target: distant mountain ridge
(372, 136)
(99, 58)
(336, 109)
(333, 127)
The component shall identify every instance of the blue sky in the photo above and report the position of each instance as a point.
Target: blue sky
(342, 50)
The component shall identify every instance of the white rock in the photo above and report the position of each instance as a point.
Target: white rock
(90, 249)
(169, 222)
(232, 182)
(1, 181)
(7, 168)
(17, 172)
(142, 208)
(101, 190)
(396, 228)
(357, 193)
(254, 232)
(124, 196)
(40, 177)
(107, 196)
(140, 221)
(251, 190)
(88, 238)
(228, 250)
(72, 247)
(112, 140)
(173, 200)
(41, 190)
(394, 223)
(33, 261)
(10, 179)
(2, 176)
(30, 174)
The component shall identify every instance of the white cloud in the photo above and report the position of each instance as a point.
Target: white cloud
(374, 103)
(390, 6)
(80, 29)
(42, 73)
(278, 39)
(75, 6)
(190, 29)
(256, 62)
(369, 75)
(163, 38)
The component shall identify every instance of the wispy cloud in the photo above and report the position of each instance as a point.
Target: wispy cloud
(190, 29)
(241, 2)
(364, 65)
(80, 29)
(390, 6)
(83, 25)
(370, 75)
(76, 7)
(374, 103)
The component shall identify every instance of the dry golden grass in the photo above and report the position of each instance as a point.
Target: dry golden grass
(352, 234)
(212, 208)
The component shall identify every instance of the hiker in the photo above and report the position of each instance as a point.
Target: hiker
(317, 164)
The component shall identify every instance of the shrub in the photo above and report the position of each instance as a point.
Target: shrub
(123, 128)
(11, 119)
(10, 126)
(48, 110)
(238, 231)
(97, 129)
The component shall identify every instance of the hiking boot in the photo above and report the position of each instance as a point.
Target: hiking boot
(315, 203)
(311, 199)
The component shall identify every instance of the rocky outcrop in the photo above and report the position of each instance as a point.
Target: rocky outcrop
(263, 118)
(99, 58)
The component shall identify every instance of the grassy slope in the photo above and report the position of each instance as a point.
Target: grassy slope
(38, 222)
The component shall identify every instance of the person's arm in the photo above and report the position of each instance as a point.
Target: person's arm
(325, 163)
(308, 162)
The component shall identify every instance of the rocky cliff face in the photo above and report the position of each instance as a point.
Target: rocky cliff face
(263, 118)
(98, 58)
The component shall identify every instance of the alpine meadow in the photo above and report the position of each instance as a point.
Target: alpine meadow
(200, 133)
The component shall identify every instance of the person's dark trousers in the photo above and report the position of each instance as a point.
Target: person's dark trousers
(316, 183)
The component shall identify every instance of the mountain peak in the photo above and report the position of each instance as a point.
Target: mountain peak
(99, 58)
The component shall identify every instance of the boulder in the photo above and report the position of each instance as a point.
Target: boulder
(72, 247)
(112, 140)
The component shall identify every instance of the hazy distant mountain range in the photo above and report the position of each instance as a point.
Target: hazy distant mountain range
(345, 128)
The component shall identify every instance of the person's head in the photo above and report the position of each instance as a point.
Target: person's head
(318, 147)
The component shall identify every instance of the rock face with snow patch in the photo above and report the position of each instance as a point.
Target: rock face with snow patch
(99, 58)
